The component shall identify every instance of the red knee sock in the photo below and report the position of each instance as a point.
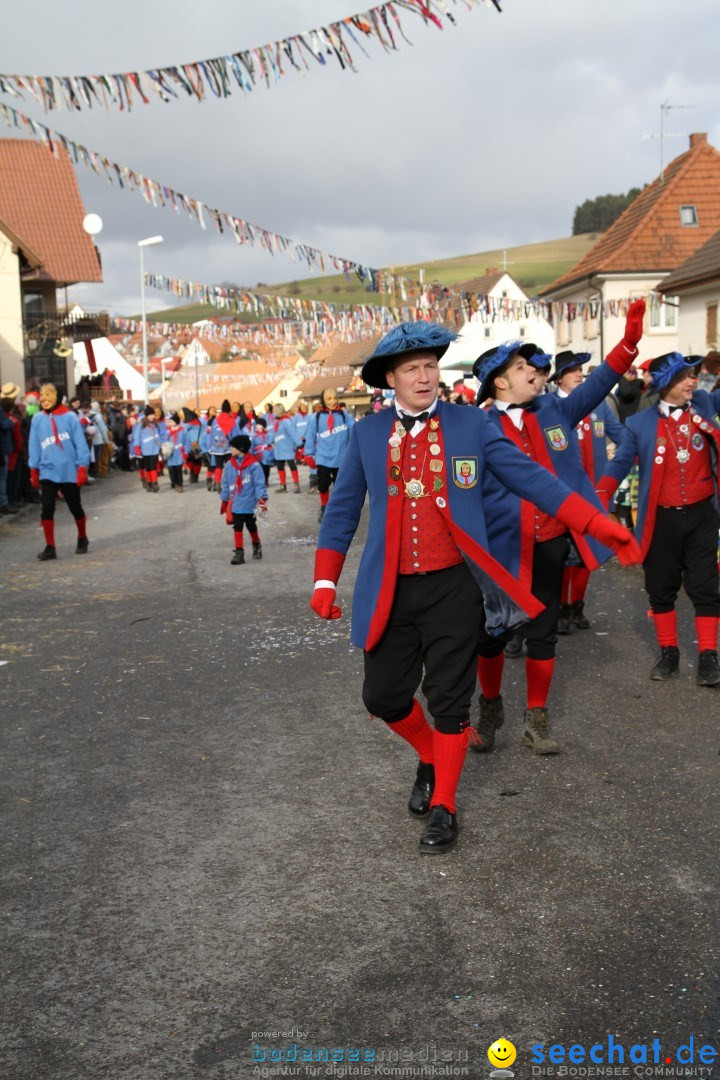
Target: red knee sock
(194, 468)
(141, 474)
(666, 628)
(539, 675)
(81, 528)
(281, 476)
(151, 476)
(294, 474)
(449, 757)
(579, 578)
(210, 474)
(415, 729)
(565, 589)
(238, 539)
(255, 537)
(324, 496)
(218, 476)
(490, 673)
(49, 529)
(706, 627)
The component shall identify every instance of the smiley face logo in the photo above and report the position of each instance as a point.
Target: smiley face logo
(502, 1054)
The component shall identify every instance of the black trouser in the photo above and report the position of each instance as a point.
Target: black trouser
(290, 464)
(325, 477)
(547, 574)
(150, 464)
(430, 627)
(248, 520)
(176, 475)
(683, 551)
(217, 461)
(48, 495)
(266, 469)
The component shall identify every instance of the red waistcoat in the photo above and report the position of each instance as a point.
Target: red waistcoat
(425, 540)
(546, 527)
(684, 483)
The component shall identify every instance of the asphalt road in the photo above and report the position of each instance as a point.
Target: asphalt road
(206, 839)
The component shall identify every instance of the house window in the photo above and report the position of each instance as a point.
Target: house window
(688, 215)
(522, 331)
(282, 393)
(663, 314)
(711, 331)
(487, 331)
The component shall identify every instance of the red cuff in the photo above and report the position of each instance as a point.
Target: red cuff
(329, 564)
(607, 485)
(621, 357)
(576, 512)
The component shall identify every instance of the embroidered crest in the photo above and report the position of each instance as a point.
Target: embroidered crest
(697, 441)
(599, 429)
(557, 438)
(465, 471)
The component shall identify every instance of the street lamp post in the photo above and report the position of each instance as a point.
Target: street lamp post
(148, 242)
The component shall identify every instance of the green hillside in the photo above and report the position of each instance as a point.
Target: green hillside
(532, 265)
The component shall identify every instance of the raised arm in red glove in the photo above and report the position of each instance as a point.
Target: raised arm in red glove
(634, 324)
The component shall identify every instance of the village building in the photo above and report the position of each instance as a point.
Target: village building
(43, 248)
(667, 222)
(696, 284)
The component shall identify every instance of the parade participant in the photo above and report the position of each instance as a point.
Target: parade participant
(192, 434)
(326, 439)
(418, 601)
(285, 445)
(263, 446)
(247, 420)
(243, 492)
(541, 425)
(174, 451)
(147, 440)
(300, 423)
(676, 443)
(58, 458)
(219, 433)
(592, 434)
(207, 419)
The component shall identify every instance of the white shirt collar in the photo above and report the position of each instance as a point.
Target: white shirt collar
(667, 410)
(417, 427)
(516, 415)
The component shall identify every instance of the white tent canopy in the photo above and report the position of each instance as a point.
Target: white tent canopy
(107, 356)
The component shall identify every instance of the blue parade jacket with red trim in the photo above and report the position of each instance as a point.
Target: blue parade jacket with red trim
(471, 448)
(592, 432)
(57, 445)
(550, 423)
(641, 444)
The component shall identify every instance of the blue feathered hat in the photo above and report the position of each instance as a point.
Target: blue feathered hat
(408, 337)
(568, 361)
(665, 368)
(488, 363)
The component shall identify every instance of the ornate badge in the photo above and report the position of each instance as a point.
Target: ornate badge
(436, 466)
(434, 449)
(465, 471)
(557, 438)
(434, 424)
(414, 489)
(438, 483)
(395, 455)
(440, 502)
(394, 472)
(697, 441)
(433, 436)
(393, 489)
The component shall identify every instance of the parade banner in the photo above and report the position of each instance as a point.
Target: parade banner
(245, 69)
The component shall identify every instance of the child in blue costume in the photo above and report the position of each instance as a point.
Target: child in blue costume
(242, 491)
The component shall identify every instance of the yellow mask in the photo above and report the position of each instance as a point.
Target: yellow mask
(48, 397)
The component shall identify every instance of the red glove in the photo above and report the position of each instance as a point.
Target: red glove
(310, 462)
(605, 489)
(35, 478)
(634, 324)
(223, 507)
(262, 506)
(616, 537)
(322, 604)
(81, 476)
(604, 497)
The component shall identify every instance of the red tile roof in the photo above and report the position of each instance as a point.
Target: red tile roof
(702, 266)
(649, 235)
(40, 202)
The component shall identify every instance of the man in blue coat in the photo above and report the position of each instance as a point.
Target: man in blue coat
(543, 427)
(58, 458)
(592, 434)
(676, 443)
(427, 570)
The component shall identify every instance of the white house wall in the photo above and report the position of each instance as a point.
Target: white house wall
(692, 320)
(12, 368)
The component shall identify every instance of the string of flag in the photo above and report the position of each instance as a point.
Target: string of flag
(245, 69)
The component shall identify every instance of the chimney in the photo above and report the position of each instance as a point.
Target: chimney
(698, 138)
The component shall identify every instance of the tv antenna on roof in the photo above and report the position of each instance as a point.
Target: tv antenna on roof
(663, 134)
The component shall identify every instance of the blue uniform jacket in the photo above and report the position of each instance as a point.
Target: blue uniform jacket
(300, 423)
(641, 443)
(57, 452)
(176, 436)
(217, 439)
(243, 481)
(465, 435)
(328, 447)
(599, 425)
(286, 442)
(147, 439)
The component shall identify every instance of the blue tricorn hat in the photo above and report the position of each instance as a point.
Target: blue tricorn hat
(408, 337)
(667, 367)
(488, 363)
(568, 361)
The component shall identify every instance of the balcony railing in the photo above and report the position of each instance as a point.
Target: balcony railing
(43, 326)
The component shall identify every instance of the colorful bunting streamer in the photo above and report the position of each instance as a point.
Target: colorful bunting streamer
(246, 69)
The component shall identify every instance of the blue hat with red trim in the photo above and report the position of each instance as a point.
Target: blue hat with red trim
(408, 337)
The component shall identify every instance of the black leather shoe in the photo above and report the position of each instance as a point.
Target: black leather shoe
(578, 617)
(563, 623)
(48, 552)
(668, 664)
(82, 545)
(514, 647)
(708, 671)
(422, 792)
(441, 832)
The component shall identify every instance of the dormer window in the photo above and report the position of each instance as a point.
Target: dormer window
(688, 215)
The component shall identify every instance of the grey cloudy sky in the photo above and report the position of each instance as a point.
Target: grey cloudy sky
(484, 135)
